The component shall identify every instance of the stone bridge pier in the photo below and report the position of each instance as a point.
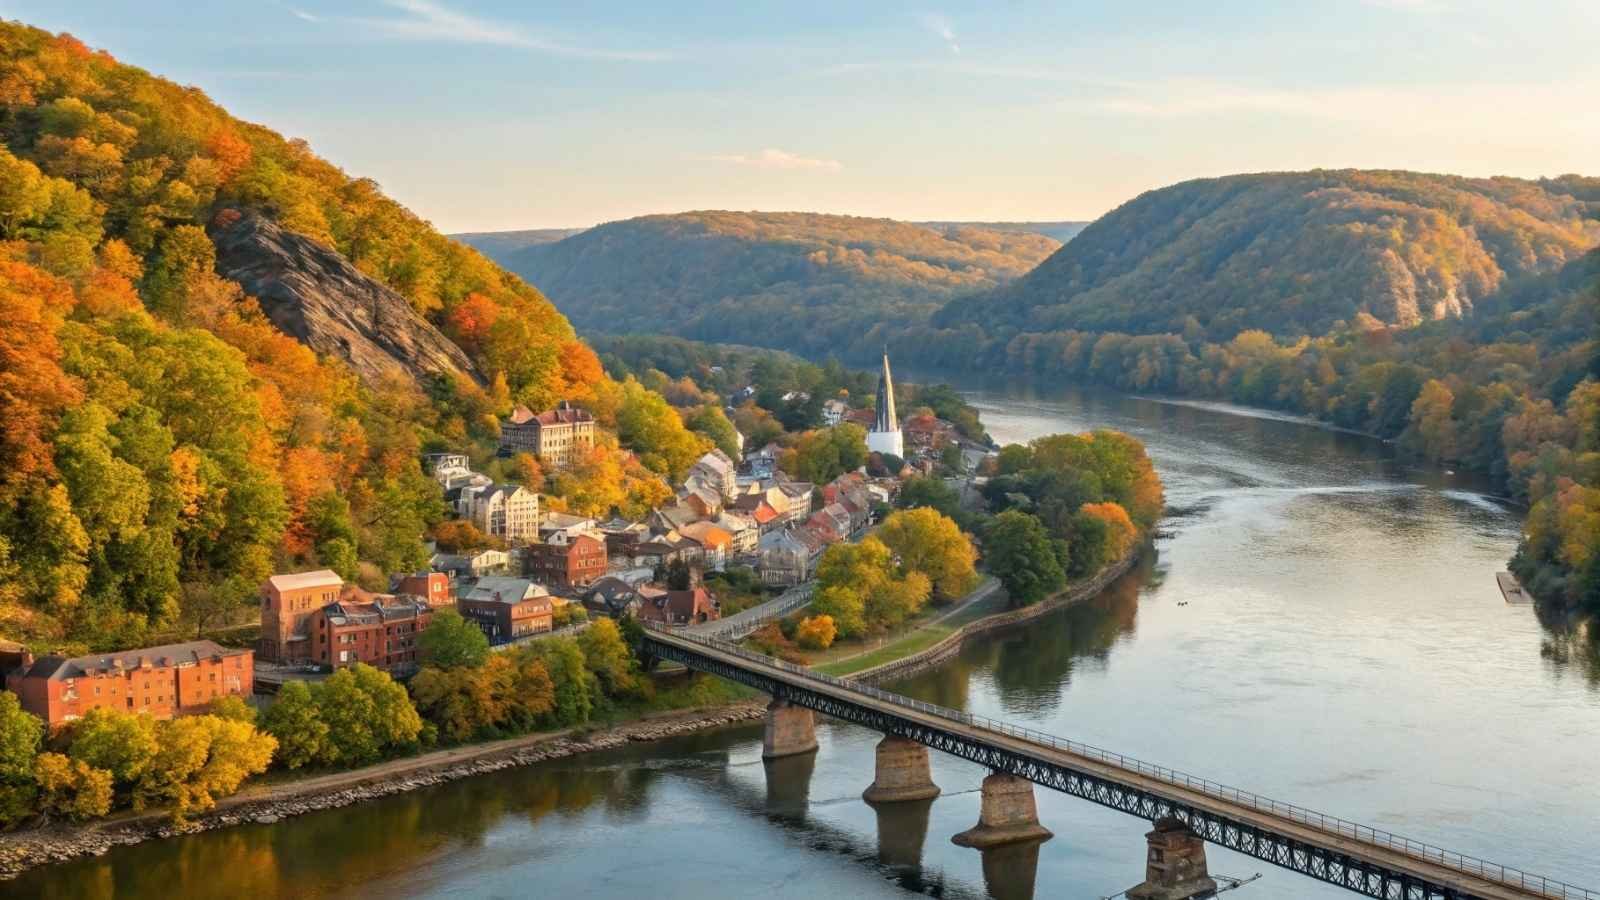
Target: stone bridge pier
(791, 730)
(1175, 868)
(902, 773)
(1008, 815)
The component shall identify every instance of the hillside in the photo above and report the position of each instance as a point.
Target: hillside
(1061, 232)
(221, 356)
(815, 284)
(497, 244)
(1295, 253)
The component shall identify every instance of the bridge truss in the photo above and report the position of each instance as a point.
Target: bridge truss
(1237, 834)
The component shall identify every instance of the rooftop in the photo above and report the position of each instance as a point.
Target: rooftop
(301, 580)
(186, 653)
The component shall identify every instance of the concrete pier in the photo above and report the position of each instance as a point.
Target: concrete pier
(1008, 815)
(790, 731)
(1175, 868)
(902, 773)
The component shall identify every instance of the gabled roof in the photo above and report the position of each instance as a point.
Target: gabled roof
(187, 653)
(301, 580)
(565, 414)
(707, 534)
(505, 589)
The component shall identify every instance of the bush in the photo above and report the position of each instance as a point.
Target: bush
(816, 633)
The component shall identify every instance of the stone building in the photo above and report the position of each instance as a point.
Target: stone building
(508, 608)
(507, 511)
(555, 436)
(380, 631)
(567, 560)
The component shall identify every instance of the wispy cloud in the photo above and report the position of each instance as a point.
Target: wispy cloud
(302, 14)
(424, 20)
(940, 26)
(772, 158)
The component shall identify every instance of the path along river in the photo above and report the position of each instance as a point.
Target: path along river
(1321, 625)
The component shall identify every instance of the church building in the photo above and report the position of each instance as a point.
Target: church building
(885, 435)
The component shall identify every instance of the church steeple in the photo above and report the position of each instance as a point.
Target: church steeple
(887, 420)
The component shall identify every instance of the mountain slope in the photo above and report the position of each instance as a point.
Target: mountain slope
(170, 440)
(497, 244)
(1060, 232)
(1295, 253)
(807, 282)
(313, 294)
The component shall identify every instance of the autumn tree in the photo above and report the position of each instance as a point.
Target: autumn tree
(21, 737)
(816, 632)
(368, 716)
(71, 788)
(711, 423)
(863, 590)
(926, 541)
(201, 758)
(607, 656)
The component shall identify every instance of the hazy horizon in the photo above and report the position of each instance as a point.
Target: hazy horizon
(493, 116)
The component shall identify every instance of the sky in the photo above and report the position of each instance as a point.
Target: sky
(489, 114)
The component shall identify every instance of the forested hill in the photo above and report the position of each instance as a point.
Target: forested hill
(1295, 254)
(167, 443)
(815, 284)
(497, 244)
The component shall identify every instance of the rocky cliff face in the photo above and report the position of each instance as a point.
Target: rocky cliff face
(313, 293)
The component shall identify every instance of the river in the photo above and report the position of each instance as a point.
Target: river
(1320, 625)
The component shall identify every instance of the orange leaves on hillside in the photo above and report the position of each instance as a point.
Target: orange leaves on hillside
(469, 322)
(33, 389)
(230, 152)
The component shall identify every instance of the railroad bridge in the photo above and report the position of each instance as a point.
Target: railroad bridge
(1187, 811)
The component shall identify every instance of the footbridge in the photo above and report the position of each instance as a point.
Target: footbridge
(1187, 810)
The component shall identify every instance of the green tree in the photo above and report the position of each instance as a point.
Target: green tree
(368, 715)
(200, 759)
(1018, 549)
(573, 685)
(21, 736)
(121, 743)
(607, 656)
(711, 423)
(295, 720)
(451, 641)
(234, 709)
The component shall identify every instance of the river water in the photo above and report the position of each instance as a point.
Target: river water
(1320, 625)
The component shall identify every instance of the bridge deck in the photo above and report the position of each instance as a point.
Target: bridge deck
(1417, 863)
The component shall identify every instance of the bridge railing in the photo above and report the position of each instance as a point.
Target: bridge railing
(1469, 865)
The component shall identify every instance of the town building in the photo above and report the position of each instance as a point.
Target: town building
(833, 411)
(716, 471)
(506, 609)
(507, 511)
(557, 436)
(672, 518)
(471, 565)
(688, 607)
(567, 560)
(432, 587)
(788, 556)
(614, 597)
(885, 436)
(165, 681)
(287, 603)
(716, 544)
(744, 529)
(379, 630)
(444, 465)
(799, 494)
(566, 525)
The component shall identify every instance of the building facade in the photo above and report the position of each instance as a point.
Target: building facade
(507, 511)
(508, 608)
(556, 436)
(166, 681)
(567, 561)
(432, 587)
(287, 603)
(381, 632)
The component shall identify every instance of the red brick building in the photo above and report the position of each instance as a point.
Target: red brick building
(166, 681)
(380, 631)
(287, 603)
(567, 561)
(508, 608)
(688, 607)
(432, 587)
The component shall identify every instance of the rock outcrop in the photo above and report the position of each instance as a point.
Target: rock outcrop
(312, 292)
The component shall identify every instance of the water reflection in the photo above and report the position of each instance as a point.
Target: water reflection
(902, 831)
(789, 786)
(1009, 871)
(1572, 645)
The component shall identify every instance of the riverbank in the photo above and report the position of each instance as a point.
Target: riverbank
(927, 657)
(268, 803)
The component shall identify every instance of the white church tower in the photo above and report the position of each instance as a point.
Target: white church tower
(885, 435)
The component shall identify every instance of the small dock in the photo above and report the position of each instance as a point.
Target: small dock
(1511, 588)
